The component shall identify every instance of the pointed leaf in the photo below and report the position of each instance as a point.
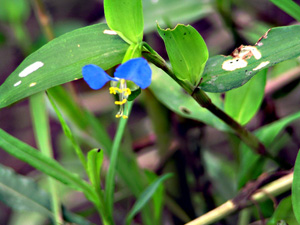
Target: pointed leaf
(223, 73)
(94, 163)
(46, 165)
(187, 52)
(61, 61)
(126, 18)
(251, 163)
(145, 197)
(242, 103)
(290, 7)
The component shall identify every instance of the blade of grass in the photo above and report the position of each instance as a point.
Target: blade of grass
(290, 7)
(68, 133)
(145, 197)
(110, 177)
(41, 128)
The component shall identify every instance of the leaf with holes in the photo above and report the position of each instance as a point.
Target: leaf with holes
(61, 60)
(223, 73)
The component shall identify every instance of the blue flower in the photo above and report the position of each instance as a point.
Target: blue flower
(136, 70)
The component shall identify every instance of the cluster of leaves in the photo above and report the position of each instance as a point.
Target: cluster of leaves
(180, 87)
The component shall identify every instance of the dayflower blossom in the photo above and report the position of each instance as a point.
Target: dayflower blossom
(136, 70)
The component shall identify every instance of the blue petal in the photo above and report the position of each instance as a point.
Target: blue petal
(95, 76)
(136, 70)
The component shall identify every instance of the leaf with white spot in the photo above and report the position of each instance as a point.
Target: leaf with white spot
(223, 73)
(61, 60)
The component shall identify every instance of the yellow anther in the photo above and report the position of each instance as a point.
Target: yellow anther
(118, 116)
(127, 91)
(121, 102)
(124, 117)
(113, 90)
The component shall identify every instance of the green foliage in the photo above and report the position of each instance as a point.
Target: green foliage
(173, 12)
(145, 197)
(14, 11)
(126, 18)
(242, 103)
(283, 213)
(62, 60)
(176, 99)
(23, 194)
(210, 165)
(252, 164)
(187, 52)
(296, 189)
(43, 163)
(277, 45)
(289, 6)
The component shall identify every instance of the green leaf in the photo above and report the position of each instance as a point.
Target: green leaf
(167, 91)
(296, 189)
(145, 197)
(23, 194)
(251, 163)
(283, 212)
(242, 103)
(289, 6)
(158, 197)
(14, 11)
(187, 52)
(68, 133)
(46, 165)
(277, 45)
(95, 159)
(61, 61)
(126, 18)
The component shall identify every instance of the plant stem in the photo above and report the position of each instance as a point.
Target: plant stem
(202, 99)
(110, 177)
(44, 19)
(42, 135)
(274, 188)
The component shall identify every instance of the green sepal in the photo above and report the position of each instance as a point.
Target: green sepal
(126, 18)
(187, 52)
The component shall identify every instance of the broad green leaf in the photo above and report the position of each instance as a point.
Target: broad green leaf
(61, 61)
(251, 163)
(126, 18)
(145, 197)
(94, 163)
(223, 73)
(290, 7)
(242, 103)
(174, 97)
(23, 194)
(296, 189)
(168, 12)
(283, 212)
(187, 52)
(46, 165)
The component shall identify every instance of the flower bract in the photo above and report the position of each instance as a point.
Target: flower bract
(136, 70)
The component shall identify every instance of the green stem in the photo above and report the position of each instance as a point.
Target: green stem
(42, 135)
(202, 99)
(110, 177)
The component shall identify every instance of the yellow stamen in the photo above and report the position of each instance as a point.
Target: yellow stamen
(121, 102)
(124, 117)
